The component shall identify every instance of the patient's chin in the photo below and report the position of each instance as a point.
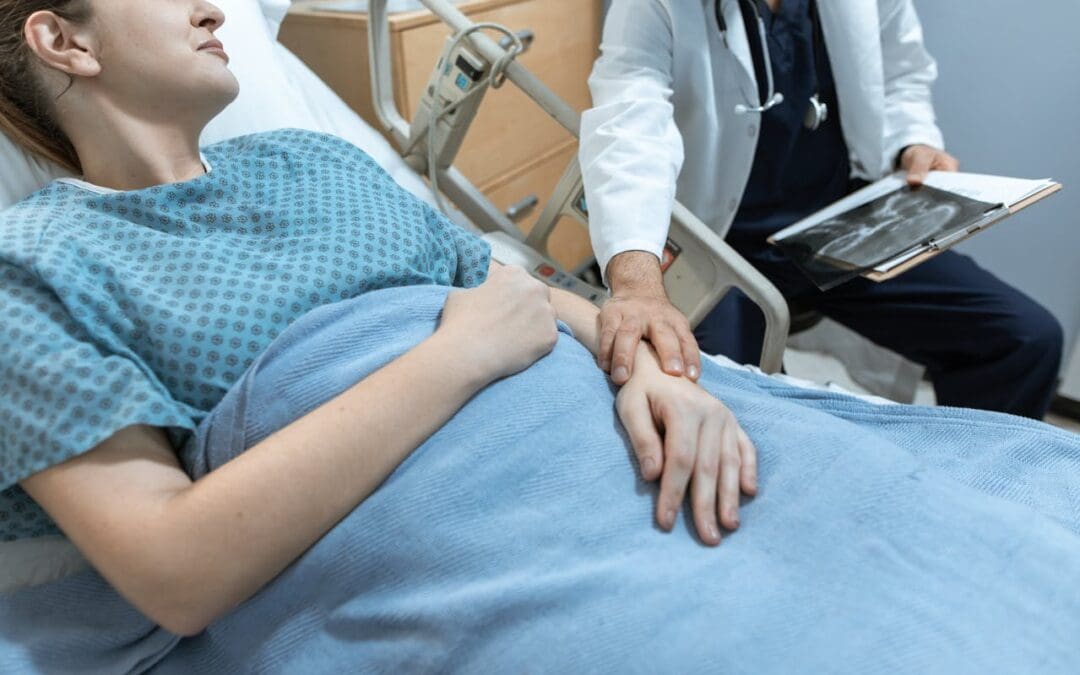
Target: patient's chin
(223, 92)
(229, 85)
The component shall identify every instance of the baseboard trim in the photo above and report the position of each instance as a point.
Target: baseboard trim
(1066, 407)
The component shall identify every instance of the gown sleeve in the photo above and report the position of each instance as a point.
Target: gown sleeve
(60, 394)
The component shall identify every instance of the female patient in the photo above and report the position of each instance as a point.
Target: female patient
(137, 306)
(139, 300)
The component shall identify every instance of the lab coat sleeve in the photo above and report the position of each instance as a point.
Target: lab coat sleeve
(910, 72)
(631, 150)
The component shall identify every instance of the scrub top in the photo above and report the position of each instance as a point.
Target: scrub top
(144, 307)
(796, 171)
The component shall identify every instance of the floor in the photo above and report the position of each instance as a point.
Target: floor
(823, 368)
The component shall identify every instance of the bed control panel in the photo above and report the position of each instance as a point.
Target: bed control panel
(509, 251)
(450, 101)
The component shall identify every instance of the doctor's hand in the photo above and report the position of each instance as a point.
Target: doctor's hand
(639, 309)
(685, 438)
(502, 326)
(919, 160)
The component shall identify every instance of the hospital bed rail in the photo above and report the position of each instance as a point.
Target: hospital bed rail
(700, 266)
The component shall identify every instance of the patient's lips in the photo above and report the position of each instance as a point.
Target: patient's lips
(214, 47)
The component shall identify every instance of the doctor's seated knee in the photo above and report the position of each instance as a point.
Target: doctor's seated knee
(1040, 336)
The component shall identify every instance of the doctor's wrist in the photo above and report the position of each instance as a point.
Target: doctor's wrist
(636, 273)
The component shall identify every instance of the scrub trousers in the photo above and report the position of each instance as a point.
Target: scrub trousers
(984, 344)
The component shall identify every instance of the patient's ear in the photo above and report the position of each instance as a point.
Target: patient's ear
(62, 45)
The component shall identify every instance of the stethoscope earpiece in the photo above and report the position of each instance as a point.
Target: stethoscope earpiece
(776, 99)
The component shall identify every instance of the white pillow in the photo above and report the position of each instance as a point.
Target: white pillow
(325, 111)
(275, 11)
(249, 35)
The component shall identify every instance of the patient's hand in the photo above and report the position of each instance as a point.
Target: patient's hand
(502, 326)
(682, 435)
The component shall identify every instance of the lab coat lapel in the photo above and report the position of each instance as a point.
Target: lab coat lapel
(852, 34)
(739, 45)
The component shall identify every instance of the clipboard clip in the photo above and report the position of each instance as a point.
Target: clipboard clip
(990, 216)
(945, 242)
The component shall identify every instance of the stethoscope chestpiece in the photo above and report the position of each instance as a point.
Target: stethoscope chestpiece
(817, 113)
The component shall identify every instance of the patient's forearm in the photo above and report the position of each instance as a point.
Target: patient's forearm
(286, 492)
(581, 315)
(185, 553)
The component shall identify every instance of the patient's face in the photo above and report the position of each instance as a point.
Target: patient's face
(155, 59)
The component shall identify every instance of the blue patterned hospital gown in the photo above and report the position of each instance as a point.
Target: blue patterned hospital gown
(143, 307)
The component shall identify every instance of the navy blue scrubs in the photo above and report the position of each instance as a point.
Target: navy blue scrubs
(984, 344)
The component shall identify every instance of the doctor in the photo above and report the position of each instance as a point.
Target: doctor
(756, 113)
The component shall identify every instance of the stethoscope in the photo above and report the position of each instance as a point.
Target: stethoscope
(818, 111)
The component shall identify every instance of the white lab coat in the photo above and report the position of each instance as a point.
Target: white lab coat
(665, 90)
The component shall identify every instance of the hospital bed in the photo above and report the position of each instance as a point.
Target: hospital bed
(697, 279)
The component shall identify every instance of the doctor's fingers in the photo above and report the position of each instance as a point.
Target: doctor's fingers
(675, 345)
(920, 163)
(608, 321)
(943, 161)
(624, 349)
(668, 344)
(690, 350)
(636, 415)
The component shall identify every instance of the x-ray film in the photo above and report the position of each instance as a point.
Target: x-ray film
(841, 248)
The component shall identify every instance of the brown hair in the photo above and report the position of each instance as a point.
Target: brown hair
(25, 109)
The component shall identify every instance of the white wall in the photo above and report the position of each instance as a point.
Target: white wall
(1071, 386)
(1008, 99)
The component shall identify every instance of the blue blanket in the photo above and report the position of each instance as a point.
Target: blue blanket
(520, 539)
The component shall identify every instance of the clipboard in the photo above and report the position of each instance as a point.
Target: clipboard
(934, 247)
(813, 242)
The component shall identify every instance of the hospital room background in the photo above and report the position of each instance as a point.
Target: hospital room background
(1005, 97)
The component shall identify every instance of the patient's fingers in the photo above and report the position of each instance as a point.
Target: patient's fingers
(633, 409)
(703, 489)
(680, 455)
(730, 464)
(748, 475)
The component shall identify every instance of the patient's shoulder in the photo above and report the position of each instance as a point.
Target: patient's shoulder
(24, 224)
